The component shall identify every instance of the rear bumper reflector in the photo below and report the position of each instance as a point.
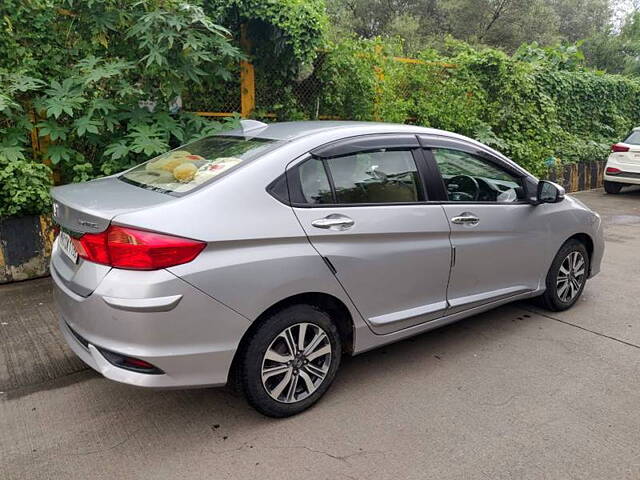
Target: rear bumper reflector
(129, 363)
(118, 360)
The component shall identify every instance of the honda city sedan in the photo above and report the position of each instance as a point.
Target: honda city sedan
(264, 254)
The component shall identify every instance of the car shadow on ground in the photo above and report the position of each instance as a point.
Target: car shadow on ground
(225, 413)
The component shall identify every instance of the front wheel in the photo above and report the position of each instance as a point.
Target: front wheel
(612, 187)
(290, 361)
(566, 277)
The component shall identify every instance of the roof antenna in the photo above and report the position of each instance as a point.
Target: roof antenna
(251, 125)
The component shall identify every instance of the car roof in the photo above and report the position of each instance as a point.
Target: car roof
(284, 132)
(293, 130)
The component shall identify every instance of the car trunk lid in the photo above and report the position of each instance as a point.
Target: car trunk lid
(89, 208)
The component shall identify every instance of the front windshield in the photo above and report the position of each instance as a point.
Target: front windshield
(196, 163)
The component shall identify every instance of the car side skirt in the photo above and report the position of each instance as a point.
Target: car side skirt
(366, 340)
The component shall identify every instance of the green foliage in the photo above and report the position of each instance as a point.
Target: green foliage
(536, 104)
(560, 57)
(282, 39)
(100, 93)
(25, 187)
(349, 82)
(503, 24)
(616, 52)
(290, 30)
(97, 78)
(93, 119)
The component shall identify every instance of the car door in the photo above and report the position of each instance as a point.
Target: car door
(499, 243)
(362, 204)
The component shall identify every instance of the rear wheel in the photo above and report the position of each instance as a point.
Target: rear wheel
(566, 277)
(612, 187)
(290, 361)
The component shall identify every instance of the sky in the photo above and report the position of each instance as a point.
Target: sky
(621, 9)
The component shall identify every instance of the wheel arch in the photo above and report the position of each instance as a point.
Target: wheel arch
(587, 241)
(328, 303)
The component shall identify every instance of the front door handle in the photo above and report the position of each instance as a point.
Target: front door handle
(334, 222)
(466, 218)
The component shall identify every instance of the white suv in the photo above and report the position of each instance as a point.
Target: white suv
(623, 165)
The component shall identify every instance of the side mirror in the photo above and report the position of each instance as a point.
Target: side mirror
(549, 192)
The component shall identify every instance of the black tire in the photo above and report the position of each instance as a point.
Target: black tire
(552, 297)
(268, 336)
(612, 187)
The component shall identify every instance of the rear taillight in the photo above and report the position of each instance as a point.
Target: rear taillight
(612, 171)
(618, 147)
(93, 247)
(128, 248)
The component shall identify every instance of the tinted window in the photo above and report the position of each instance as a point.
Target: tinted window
(375, 177)
(314, 183)
(469, 178)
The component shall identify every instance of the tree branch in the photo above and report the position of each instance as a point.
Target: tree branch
(502, 5)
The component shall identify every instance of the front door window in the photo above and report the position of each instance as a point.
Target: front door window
(469, 178)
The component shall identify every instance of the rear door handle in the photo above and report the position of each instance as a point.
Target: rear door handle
(466, 218)
(334, 222)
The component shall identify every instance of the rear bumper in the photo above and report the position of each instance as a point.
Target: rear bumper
(192, 340)
(629, 170)
(628, 178)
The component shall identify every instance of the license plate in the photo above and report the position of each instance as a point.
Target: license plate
(66, 245)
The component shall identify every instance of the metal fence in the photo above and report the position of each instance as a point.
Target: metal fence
(252, 94)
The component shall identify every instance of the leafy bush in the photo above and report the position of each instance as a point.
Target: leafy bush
(102, 82)
(535, 105)
(101, 97)
(25, 187)
(287, 32)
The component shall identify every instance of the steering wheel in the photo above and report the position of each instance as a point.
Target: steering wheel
(463, 187)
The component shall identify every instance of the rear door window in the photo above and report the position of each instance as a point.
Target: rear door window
(315, 183)
(376, 177)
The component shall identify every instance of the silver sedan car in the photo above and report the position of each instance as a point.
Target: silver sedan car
(264, 254)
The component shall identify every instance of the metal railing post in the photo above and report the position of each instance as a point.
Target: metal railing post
(247, 77)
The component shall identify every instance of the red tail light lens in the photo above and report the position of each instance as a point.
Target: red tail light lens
(616, 147)
(612, 171)
(93, 247)
(128, 248)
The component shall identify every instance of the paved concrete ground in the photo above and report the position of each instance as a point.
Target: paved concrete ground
(513, 393)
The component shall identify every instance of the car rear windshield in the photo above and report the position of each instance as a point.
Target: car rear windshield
(633, 138)
(183, 169)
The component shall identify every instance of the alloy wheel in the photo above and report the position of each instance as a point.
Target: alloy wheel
(571, 276)
(296, 362)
